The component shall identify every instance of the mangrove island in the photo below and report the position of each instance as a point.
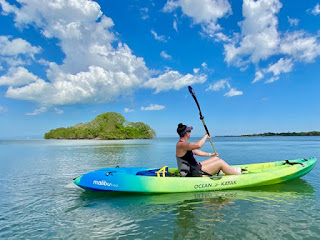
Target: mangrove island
(107, 126)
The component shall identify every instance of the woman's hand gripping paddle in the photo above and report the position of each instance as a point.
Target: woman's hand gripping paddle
(201, 116)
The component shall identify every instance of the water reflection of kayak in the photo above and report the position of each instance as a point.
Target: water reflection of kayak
(167, 180)
(279, 192)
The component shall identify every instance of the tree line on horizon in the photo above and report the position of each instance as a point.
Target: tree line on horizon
(107, 126)
(312, 133)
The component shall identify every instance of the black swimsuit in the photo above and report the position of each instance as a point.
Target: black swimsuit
(189, 166)
(189, 157)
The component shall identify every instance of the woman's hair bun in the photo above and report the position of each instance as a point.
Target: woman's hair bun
(181, 129)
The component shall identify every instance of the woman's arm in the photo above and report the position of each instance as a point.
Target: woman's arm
(203, 154)
(193, 146)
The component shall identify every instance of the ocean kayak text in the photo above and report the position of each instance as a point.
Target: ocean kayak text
(208, 185)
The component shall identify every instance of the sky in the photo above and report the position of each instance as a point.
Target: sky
(253, 64)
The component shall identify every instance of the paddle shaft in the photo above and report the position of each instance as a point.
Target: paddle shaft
(201, 117)
(205, 126)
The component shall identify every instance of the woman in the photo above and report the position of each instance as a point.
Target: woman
(189, 166)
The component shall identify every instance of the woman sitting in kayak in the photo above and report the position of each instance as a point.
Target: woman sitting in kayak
(189, 166)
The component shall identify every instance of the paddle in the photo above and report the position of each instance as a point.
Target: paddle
(201, 116)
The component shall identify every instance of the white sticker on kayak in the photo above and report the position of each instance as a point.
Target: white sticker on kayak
(104, 183)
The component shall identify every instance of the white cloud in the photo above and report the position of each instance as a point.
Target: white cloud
(165, 55)
(259, 36)
(3, 109)
(260, 39)
(203, 12)
(272, 79)
(15, 61)
(16, 46)
(220, 37)
(196, 70)
(222, 84)
(170, 6)
(128, 110)
(97, 85)
(7, 8)
(204, 65)
(242, 69)
(45, 15)
(58, 111)
(316, 10)
(293, 21)
(38, 91)
(175, 25)
(233, 92)
(153, 107)
(15, 52)
(144, 13)
(217, 86)
(93, 70)
(301, 46)
(17, 77)
(37, 111)
(173, 80)
(160, 38)
(258, 77)
(206, 69)
(282, 66)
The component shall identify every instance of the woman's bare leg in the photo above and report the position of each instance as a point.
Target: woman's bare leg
(212, 166)
(209, 160)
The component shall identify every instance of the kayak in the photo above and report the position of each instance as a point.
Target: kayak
(167, 180)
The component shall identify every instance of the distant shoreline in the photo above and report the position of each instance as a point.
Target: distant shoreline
(271, 134)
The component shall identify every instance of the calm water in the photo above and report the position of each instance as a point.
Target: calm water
(39, 200)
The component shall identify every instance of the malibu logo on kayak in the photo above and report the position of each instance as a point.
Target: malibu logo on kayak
(104, 183)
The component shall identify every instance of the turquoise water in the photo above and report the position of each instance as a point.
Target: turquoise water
(39, 200)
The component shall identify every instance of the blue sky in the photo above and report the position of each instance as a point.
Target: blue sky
(254, 65)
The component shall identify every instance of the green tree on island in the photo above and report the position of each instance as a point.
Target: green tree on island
(110, 125)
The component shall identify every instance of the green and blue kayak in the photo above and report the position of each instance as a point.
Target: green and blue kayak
(167, 180)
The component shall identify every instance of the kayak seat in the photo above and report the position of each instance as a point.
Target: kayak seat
(158, 172)
(151, 173)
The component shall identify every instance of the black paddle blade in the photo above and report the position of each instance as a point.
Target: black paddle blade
(191, 90)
